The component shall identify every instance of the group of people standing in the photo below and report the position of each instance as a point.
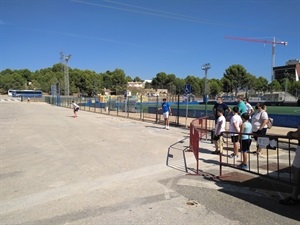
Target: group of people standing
(243, 123)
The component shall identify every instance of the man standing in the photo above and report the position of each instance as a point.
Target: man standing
(222, 105)
(165, 106)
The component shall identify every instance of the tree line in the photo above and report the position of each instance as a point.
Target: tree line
(90, 83)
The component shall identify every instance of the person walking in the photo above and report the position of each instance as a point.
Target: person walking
(165, 106)
(234, 129)
(259, 123)
(220, 128)
(246, 130)
(75, 108)
(293, 198)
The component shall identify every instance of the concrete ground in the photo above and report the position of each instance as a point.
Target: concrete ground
(100, 169)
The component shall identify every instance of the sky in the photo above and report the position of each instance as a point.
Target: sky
(145, 37)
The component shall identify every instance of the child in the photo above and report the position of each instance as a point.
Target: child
(235, 125)
(246, 129)
(75, 108)
(220, 127)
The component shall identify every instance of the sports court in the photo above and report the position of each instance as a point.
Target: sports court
(101, 169)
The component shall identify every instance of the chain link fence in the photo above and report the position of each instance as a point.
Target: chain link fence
(143, 108)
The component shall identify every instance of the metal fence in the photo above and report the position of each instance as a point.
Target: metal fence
(141, 108)
(275, 162)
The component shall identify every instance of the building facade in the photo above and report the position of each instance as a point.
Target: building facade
(291, 70)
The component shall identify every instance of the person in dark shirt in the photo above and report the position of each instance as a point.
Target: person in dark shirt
(220, 104)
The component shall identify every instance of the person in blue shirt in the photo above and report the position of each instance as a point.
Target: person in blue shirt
(241, 105)
(165, 106)
(246, 130)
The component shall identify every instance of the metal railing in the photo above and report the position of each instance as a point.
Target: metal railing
(138, 109)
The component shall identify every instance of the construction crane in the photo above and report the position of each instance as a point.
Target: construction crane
(273, 42)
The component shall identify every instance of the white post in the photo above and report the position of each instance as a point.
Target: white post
(187, 109)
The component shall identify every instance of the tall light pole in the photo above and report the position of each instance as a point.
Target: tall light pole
(64, 60)
(286, 74)
(205, 67)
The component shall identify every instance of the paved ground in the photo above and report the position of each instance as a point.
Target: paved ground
(99, 169)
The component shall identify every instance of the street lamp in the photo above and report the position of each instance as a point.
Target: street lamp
(286, 82)
(205, 67)
(65, 59)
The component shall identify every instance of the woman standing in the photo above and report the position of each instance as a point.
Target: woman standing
(259, 123)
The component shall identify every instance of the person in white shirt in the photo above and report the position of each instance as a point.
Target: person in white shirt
(220, 128)
(75, 108)
(234, 128)
(250, 109)
(259, 123)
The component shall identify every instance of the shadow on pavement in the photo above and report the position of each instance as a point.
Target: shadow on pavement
(267, 187)
(161, 128)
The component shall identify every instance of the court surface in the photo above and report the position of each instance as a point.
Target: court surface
(99, 169)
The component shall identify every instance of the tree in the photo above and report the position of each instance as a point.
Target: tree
(274, 86)
(35, 85)
(128, 79)
(179, 84)
(160, 80)
(261, 85)
(250, 81)
(12, 81)
(170, 79)
(26, 74)
(215, 87)
(119, 81)
(107, 80)
(226, 85)
(90, 83)
(137, 79)
(235, 77)
(6, 71)
(296, 89)
(57, 68)
(86, 82)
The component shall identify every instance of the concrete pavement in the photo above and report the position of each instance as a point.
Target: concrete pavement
(100, 169)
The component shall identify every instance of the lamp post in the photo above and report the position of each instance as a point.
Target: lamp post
(205, 67)
(65, 59)
(286, 82)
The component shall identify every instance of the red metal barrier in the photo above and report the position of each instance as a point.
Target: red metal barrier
(198, 129)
